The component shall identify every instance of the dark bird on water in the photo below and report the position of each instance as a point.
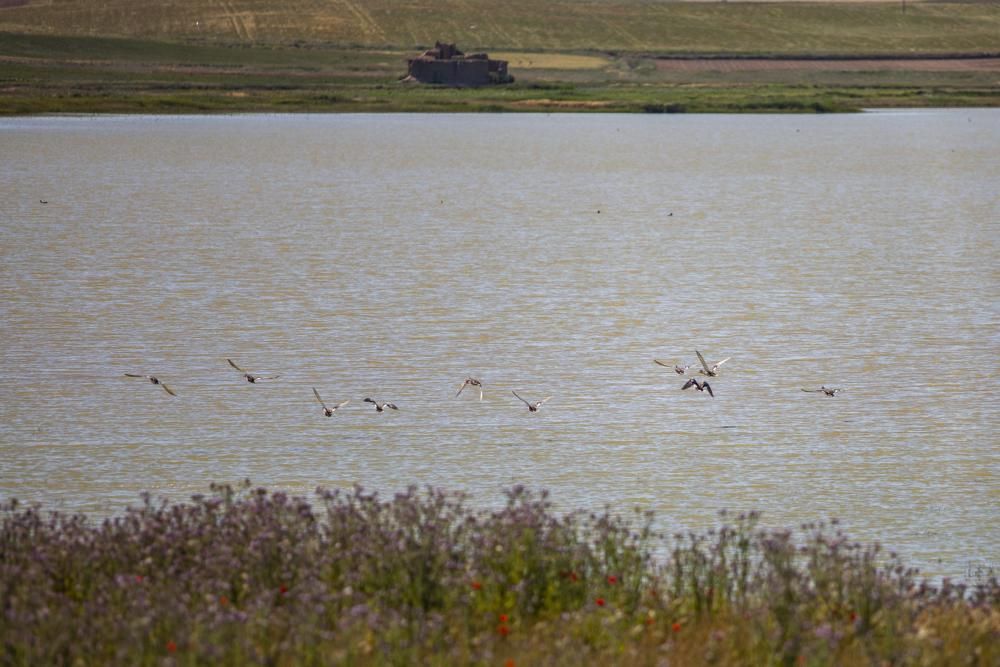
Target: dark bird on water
(680, 370)
(712, 370)
(471, 382)
(532, 407)
(42, 201)
(379, 407)
(153, 380)
(826, 390)
(700, 386)
(328, 412)
(249, 377)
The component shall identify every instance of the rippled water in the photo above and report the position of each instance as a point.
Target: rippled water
(393, 255)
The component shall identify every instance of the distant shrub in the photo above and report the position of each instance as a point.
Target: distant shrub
(664, 108)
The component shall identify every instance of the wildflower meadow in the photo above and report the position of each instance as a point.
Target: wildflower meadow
(246, 576)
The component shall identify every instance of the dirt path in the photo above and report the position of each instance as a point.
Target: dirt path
(833, 64)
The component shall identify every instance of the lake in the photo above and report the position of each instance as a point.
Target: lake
(392, 256)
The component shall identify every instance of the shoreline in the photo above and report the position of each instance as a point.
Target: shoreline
(46, 74)
(199, 98)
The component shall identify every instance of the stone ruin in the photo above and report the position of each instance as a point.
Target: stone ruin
(446, 65)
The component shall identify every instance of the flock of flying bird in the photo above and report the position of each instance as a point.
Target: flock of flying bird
(710, 371)
(713, 371)
(700, 385)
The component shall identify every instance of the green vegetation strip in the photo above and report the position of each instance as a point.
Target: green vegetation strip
(91, 75)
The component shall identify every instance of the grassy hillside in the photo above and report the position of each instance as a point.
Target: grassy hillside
(647, 26)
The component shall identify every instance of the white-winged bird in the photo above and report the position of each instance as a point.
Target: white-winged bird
(714, 369)
(328, 412)
(250, 377)
(826, 390)
(379, 407)
(680, 370)
(471, 382)
(153, 380)
(532, 407)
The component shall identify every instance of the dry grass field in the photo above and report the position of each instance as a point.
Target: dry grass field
(652, 26)
(555, 61)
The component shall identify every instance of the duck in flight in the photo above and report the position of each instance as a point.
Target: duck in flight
(826, 390)
(700, 386)
(471, 382)
(328, 412)
(251, 378)
(153, 380)
(379, 407)
(532, 407)
(714, 369)
(680, 370)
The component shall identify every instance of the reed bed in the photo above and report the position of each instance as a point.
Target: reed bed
(246, 576)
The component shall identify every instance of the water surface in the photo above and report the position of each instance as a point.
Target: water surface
(393, 255)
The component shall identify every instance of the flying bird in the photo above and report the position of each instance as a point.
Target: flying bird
(379, 407)
(826, 390)
(153, 380)
(680, 370)
(714, 369)
(328, 412)
(473, 382)
(251, 378)
(700, 386)
(532, 407)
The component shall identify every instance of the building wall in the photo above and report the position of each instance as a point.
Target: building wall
(451, 72)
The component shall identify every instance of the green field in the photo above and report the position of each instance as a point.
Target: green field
(598, 55)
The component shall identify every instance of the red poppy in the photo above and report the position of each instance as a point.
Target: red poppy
(283, 589)
(476, 585)
(854, 617)
(503, 618)
(612, 579)
(599, 602)
(676, 627)
(503, 630)
(509, 663)
(138, 578)
(171, 647)
(650, 621)
(573, 576)
(223, 600)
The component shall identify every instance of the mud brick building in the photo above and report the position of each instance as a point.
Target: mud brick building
(445, 64)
